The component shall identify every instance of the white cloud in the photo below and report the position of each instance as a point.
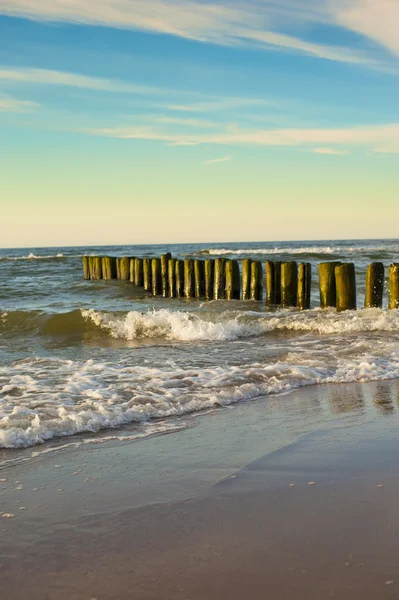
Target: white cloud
(183, 144)
(264, 23)
(214, 161)
(330, 151)
(189, 122)
(9, 104)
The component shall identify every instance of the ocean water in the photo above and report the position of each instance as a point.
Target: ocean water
(89, 357)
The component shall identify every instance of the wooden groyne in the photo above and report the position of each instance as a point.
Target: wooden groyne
(285, 284)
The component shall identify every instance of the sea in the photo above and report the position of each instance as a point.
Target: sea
(101, 358)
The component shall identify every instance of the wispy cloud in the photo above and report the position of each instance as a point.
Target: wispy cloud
(189, 122)
(9, 104)
(219, 104)
(214, 161)
(384, 137)
(330, 151)
(265, 23)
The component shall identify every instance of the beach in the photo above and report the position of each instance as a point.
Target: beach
(287, 498)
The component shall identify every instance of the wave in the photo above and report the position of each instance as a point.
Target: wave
(341, 250)
(32, 256)
(184, 326)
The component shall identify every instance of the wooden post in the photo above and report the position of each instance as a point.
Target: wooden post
(172, 277)
(246, 278)
(132, 269)
(277, 282)
(232, 275)
(147, 278)
(345, 285)
(124, 268)
(199, 278)
(86, 268)
(256, 280)
(156, 276)
(219, 279)
(109, 267)
(189, 278)
(118, 268)
(304, 285)
(270, 283)
(289, 284)
(96, 267)
(374, 285)
(209, 274)
(179, 279)
(328, 295)
(138, 272)
(164, 274)
(394, 285)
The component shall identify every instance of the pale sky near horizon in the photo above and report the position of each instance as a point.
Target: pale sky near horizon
(154, 121)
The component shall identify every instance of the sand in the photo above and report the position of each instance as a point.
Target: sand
(292, 497)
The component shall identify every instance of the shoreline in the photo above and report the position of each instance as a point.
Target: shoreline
(180, 515)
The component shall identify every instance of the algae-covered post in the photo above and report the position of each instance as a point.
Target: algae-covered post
(219, 279)
(277, 282)
(209, 270)
(138, 273)
(96, 267)
(124, 268)
(256, 280)
(189, 278)
(328, 296)
(109, 267)
(345, 284)
(270, 283)
(394, 285)
(304, 285)
(132, 269)
(147, 279)
(289, 284)
(164, 274)
(374, 285)
(179, 279)
(86, 268)
(232, 280)
(199, 278)
(156, 276)
(172, 277)
(246, 278)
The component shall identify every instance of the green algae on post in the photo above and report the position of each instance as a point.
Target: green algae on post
(232, 280)
(345, 283)
(132, 269)
(209, 272)
(289, 284)
(328, 296)
(109, 267)
(164, 274)
(138, 272)
(96, 271)
(277, 282)
(156, 276)
(124, 268)
(189, 278)
(304, 285)
(179, 279)
(219, 279)
(199, 278)
(246, 278)
(172, 277)
(374, 285)
(86, 268)
(270, 283)
(256, 280)
(147, 279)
(394, 286)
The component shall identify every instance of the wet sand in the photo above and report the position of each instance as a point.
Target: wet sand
(292, 497)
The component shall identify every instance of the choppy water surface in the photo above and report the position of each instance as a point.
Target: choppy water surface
(78, 356)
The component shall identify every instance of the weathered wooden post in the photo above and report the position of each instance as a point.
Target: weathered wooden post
(304, 285)
(328, 295)
(189, 278)
(179, 279)
(132, 269)
(270, 283)
(156, 276)
(172, 277)
(277, 282)
(209, 269)
(199, 278)
(164, 274)
(109, 267)
(289, 284)
(345, 285)
(124, 268)
(232, 283)
(246, 278)
(374, 285)
(394, 285)
(138, 272)
(118, 268)
(86, 268)
(96, 267)
(219, 279)
(147, 278)
(256, 280)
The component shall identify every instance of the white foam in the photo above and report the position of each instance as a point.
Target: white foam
(33, 256)
(341, 250)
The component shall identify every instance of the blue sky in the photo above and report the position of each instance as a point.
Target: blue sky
(126, 112)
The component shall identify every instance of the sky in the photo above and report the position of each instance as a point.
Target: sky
(155, 121)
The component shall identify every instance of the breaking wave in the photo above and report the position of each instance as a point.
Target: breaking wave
(341, 250)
